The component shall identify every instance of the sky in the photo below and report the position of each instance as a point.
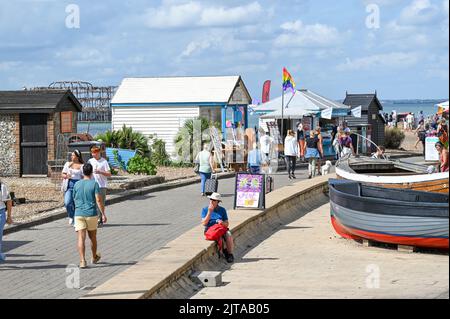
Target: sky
(400, 48)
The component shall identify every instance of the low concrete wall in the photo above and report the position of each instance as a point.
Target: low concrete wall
(166, 272)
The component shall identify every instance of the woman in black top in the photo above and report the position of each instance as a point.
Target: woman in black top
(301, 141)
(312, 152)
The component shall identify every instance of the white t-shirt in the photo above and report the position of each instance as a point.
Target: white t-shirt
(4, 195)
(76, 174)
(265, 142)
(101, 165)
(409, 118)
(290, 146)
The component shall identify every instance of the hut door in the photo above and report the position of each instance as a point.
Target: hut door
(33, 144)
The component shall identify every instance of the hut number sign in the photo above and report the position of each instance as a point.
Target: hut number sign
(249, 191)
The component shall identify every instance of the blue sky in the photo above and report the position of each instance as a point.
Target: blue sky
(327, 45)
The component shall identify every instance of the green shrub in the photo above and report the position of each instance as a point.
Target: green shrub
(393, 137)
(141, 165)
(159, 155)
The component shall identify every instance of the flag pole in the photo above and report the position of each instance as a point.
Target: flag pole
(282, 113)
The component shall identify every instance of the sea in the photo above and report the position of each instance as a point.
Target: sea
(93, 128)
(415, 106)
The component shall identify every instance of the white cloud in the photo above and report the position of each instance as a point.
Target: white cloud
(196, 47)
(195, 14)
(296, 34)
(388, 60)
(221, 16)
(419, 12)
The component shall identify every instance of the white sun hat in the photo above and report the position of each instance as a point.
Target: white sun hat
(215, 196)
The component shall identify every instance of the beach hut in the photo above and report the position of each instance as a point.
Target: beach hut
(371, 124)
(30, 122)
(161, 105)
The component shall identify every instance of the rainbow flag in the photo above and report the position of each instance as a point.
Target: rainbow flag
(288, 81)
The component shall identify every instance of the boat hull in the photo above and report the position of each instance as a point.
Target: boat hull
(386, 220)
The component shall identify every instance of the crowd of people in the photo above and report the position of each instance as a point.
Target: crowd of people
(84, 186)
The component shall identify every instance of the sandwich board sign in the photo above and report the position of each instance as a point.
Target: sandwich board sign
(431, 153)
(249, 191)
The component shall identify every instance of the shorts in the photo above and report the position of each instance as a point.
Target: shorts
(89, 223)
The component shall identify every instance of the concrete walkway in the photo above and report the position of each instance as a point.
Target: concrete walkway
(307, 259)
(38, 258)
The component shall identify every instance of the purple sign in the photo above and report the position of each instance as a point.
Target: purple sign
(249, 188)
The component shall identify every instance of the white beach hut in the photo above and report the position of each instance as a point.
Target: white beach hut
(161, 105)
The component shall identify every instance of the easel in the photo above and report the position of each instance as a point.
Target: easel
(217, 145)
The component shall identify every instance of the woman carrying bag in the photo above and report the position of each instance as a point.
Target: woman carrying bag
(204, 161)
(71, 173)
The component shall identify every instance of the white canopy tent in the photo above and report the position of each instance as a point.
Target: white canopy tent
(303, 102)
(291, 100)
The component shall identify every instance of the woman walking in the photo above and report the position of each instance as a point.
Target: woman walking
(5, 214)
(205, 161)
(301, 141)
(290, 153)
(72, 173)
(319, 147)
(312, 153)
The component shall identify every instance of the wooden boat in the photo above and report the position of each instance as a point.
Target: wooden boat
(392, 174)
(395, 216)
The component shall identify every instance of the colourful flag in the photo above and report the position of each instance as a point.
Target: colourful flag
(288, 81)
(266, 92)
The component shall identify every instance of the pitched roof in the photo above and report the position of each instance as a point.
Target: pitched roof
(44, 101)
(364, 100)
(165, 90)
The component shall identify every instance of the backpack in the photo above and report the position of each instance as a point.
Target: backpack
(215, 233)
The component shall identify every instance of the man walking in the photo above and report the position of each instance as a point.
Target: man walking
(87, 197)
(101, 174)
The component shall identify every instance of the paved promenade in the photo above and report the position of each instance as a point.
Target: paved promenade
(38, 257)
(307, 259)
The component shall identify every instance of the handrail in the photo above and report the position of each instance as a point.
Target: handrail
(370, 142)
(346, 157)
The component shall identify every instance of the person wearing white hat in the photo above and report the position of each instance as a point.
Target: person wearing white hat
(216, 214)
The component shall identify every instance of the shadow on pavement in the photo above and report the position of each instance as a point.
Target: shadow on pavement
(132, 225)
(9, 245)
(251, 260)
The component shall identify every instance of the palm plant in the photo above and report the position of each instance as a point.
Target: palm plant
(125, 138)
(185, 140)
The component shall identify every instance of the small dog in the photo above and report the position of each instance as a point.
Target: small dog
(326, 168)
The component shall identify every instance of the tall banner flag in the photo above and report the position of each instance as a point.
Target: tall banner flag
(326, 114)
(356, 112)
(288, 81)
(266, 92)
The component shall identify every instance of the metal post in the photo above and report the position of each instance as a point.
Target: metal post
(282, 115)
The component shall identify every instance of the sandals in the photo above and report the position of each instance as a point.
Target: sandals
(83, 264)
(96, 259)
